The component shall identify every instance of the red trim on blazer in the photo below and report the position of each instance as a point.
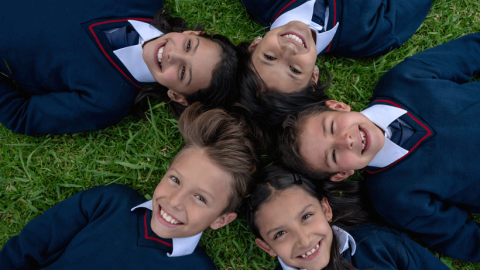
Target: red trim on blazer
(103, 50)
(429, 132)
(152, 238)
(334, 20)
(281, 10)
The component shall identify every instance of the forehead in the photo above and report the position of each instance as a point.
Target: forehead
(311, 139)
(289, 202)
(197, 171)
(206, 58)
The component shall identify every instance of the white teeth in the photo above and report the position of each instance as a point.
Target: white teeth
(310, 252)
(167, 218)
(295, 38)
(364, 141)
(159, 55)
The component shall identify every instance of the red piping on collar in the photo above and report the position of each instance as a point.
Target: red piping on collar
(103, 50)
(429, 132)
(152, 238)
(334, 21)
(281, 10)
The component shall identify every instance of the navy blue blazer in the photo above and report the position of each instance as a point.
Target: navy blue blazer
(95, 229)
(367, 28)
(432, 189)
(69, 78)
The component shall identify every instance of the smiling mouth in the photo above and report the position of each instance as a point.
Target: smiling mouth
(160, 54)
(168, 218)
(296, 38)
(364, 140)
(310, 252)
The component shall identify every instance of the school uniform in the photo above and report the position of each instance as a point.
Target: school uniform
(98, 229)
(370, 246)
(432, 187)
(360, 28)
(69, 77)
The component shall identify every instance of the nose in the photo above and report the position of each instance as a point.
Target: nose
(288, 48)
(345, 141)
(173, 56)
(302, 239)
(176, 200)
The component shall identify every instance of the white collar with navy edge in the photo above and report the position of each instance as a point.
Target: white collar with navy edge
(304, 13)
(383, 116)
(131, 56)
(181, 246)
(345, 241)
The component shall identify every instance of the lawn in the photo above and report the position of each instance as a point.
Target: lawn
(38, 171)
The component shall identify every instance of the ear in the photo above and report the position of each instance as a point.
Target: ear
(263, 245)
(254, 44)
(190, 32)
(177, 97)
(337, 105)
(223, 220)
(327, 210)
(341, 175)
(315, 73)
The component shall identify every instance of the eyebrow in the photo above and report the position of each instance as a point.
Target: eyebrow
(190, 67)
(299, 215)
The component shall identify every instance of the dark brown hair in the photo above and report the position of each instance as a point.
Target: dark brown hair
(289, 143)
(227, 141)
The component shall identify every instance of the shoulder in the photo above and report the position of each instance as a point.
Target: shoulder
(114, 196)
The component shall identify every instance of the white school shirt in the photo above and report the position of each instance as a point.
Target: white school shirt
(345, 241)
(382, 116)
(131, 56)
(304, 13)
(181, 246)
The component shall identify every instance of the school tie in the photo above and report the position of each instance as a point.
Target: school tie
(400, 132)
(122, 37)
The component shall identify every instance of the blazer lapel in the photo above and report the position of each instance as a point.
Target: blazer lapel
(95, 30)
(423, 132)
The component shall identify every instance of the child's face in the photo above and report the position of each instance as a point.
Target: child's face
(339, 141)
(182, 62)
(285, 57)
(191, 197)
(294, 226)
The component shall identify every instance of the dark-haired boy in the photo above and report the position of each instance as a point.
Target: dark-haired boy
(417, 140)
(113, 227)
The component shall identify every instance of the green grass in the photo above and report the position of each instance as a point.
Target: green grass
(38, 171)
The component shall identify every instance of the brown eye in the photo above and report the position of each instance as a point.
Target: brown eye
(294, 70)
(188, 45)
(182, 75)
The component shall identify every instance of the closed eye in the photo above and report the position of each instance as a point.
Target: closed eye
(334, 157)
(294, 70)
(269, 57)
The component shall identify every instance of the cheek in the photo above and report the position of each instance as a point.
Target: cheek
(168, 78)
(350, 161)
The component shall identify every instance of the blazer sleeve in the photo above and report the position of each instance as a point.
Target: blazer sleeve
(442, 67)
(44, 239)
(381, 247)
(61, 112)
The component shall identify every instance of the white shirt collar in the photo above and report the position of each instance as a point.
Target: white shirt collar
(181, 246)
(383, 116)
(345, 240)
(131, 56)
(304, 13)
